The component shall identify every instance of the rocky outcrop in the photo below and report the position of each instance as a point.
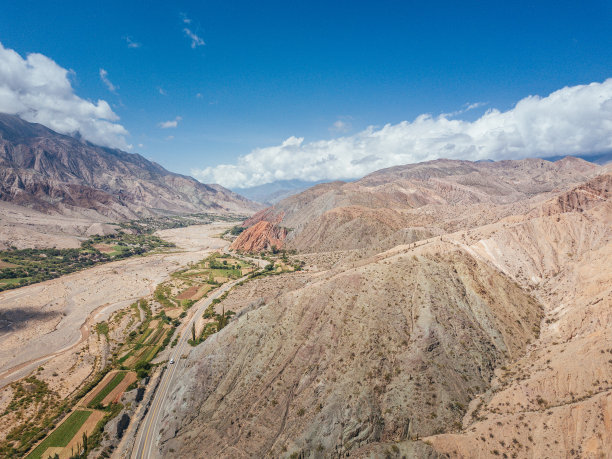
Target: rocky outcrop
(54, 173)
(261, 236)
(580, 198)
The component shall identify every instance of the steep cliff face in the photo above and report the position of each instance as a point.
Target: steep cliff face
(55, 173)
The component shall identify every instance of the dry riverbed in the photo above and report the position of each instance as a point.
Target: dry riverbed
(50, 324)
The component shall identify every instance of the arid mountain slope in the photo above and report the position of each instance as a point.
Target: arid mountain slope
(261, 236)
(25, 228)
(488, 341)
(54, 173)
(390, 349)
(442, 195)
(557, 400)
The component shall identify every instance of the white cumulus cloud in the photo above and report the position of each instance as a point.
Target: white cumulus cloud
(571, 120)
(170, 124)
(38, 90)
(341, 126)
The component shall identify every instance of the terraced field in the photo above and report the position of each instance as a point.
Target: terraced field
(128, 327)
(61, 436)
(147, 343)
(192, 283)
(107, 389)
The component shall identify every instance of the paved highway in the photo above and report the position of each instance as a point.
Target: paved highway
(146, 437)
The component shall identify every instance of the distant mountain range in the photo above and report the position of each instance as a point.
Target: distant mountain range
(274, 192)
(596, 158)
(271, 193)
(386, 207)
(55, 173)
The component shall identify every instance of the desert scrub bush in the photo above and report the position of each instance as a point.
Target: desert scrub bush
(102, 329)
(162, 295)
(27, 392)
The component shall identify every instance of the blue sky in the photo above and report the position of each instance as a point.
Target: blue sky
(244, 77)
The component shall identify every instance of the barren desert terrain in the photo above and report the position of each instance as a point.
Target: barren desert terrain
(489, 338)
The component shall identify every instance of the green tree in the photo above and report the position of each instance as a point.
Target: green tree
(222, 321)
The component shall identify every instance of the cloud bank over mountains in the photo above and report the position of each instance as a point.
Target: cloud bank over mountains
(38, 90)
(572, 120)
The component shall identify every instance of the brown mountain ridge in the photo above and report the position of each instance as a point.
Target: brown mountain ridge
(405, 203)
(55, 173)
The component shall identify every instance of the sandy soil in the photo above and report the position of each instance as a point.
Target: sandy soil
(189, 293)
(53, 317)
(26, 228)
(174, 313)
(104, 248)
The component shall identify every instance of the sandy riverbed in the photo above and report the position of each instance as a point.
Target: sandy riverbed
(44, 320)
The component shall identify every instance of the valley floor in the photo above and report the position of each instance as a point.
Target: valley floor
(43, 321)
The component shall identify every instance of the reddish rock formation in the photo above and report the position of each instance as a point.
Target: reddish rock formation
(261, 236)
(582, 197)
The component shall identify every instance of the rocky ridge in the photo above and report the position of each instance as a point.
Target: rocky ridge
(441, 196)
(55, 173)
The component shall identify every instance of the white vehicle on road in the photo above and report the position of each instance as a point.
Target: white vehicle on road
(171, 361)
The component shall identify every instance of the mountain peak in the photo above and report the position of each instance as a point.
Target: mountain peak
(53, 172)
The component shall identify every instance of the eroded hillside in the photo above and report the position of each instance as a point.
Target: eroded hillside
(430, 198)
(557, 400)
(475, 335)
(393, 348)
